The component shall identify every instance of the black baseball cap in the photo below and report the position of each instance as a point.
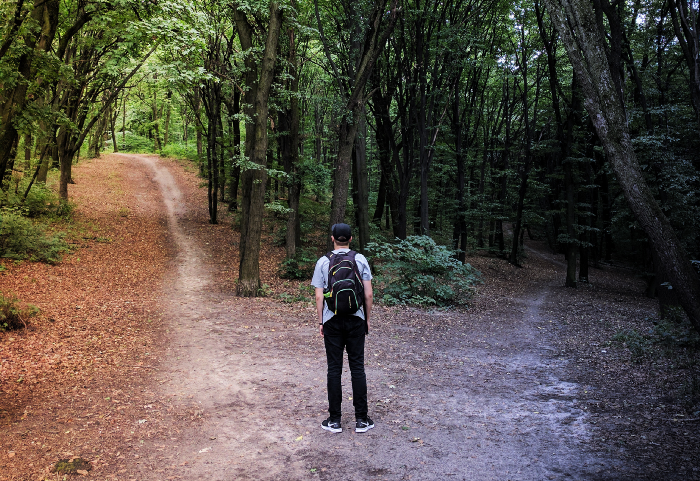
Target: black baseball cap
(341, 232)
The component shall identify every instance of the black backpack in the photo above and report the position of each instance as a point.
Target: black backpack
(345, 293)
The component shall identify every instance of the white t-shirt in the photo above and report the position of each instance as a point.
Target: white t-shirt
(320, 278)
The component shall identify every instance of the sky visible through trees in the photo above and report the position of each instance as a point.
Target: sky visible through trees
(473, 122)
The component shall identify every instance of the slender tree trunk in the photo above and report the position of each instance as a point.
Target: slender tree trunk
(235, 168)
(112, 126)
(156, 124)
(381, 202)
(291, 160)
(354, 102)
(168, 106)
(525, 173)
(362, 185)
(27, 152)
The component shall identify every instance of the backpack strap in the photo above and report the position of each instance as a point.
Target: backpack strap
(329, 255)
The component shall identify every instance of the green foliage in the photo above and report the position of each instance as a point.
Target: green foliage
(180, 151)
(418, 271)
(135, 143)
(669, 335)
(21, 238)
(13, 315)
(43, 201)
(637, 343)
(40, 202)
(305, 293)
(301, 266)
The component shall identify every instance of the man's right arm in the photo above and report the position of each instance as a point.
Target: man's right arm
(319, 308)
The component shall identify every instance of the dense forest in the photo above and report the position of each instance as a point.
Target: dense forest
(473, 122)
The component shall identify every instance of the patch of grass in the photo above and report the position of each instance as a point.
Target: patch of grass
(22, 238)
(13, 315)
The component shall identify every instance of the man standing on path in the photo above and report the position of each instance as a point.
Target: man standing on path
(344, 331)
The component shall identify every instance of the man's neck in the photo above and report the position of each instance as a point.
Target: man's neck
(336, 247)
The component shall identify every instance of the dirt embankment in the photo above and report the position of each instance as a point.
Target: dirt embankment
(215, 387)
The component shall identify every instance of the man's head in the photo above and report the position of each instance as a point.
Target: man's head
(341, 235)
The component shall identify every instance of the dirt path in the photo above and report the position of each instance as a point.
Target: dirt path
(471, 396)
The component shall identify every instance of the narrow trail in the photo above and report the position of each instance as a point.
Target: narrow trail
(455, 395)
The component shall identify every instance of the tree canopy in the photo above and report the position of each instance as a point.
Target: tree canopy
(474, 122)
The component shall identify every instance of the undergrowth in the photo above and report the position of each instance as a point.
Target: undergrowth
(420, 272)
(13, 315)
(301, 266)
(666, 337)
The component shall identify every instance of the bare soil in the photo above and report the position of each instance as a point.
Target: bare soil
(524, 385)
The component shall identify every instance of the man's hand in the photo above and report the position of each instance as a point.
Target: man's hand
(320, 330)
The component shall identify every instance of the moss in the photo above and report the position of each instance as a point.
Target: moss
(70, 466)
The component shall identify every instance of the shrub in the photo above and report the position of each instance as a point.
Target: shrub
(635, 342)
(305, 293)
(180, 151)
(13, 315)
(42, 201)
(418, 271)
(301, 266)
(20, 238)
(134, 143)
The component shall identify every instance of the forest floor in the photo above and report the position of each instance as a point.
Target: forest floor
(144, 363)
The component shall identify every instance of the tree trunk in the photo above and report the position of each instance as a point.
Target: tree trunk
(354, 102)
(585, 45)
(156, 124)
(27, 152)
(290, 152)
(361, 185)
(112, 122)
(168, 105)
(525, 172)
(45, 14)
(253, 205)
(235, 168)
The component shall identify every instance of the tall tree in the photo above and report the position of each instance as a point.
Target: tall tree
(584, 40)
(351, 82)
(258, 76)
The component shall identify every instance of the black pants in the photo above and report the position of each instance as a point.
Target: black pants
(346, 333)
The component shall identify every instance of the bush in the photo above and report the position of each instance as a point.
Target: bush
(180, 151)
(134, 143)
(20, 238)
(418, 271)
(40, 201)
(305, 293)
(13, 315)
(301, 266)
(635, 342)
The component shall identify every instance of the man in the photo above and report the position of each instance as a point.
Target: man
(344, 332)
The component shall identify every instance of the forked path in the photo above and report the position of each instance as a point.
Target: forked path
(474, 395)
